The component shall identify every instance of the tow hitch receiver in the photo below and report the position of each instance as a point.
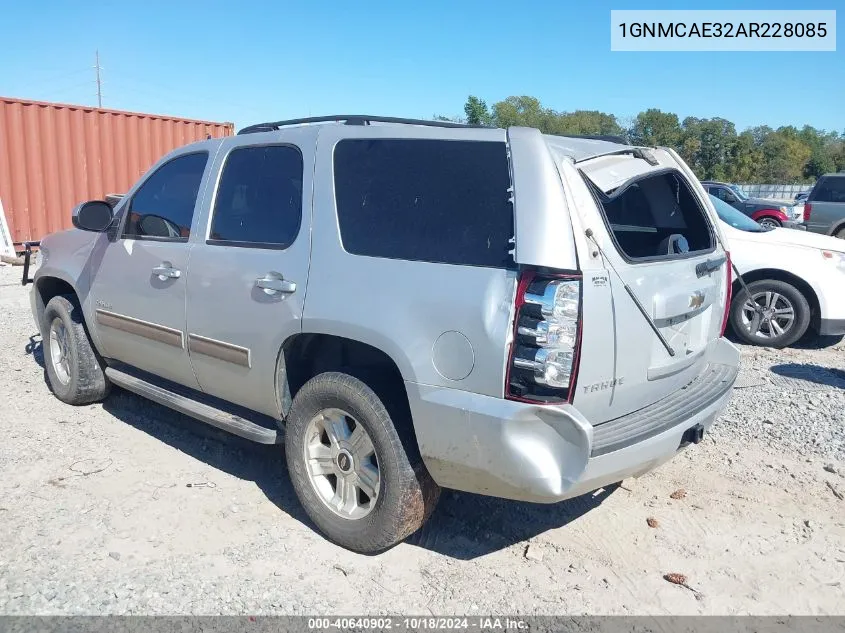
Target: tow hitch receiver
(692, 435)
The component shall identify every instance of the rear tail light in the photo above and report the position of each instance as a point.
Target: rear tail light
(728, 295)
(543, 360)
(808, 209)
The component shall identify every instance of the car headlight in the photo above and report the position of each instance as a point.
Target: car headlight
(835, 258)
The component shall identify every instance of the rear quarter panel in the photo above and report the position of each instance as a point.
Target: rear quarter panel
(442, 324)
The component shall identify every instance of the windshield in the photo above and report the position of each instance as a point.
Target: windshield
(739, 192)
(735, 218)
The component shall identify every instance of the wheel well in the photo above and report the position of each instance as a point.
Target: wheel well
(838, 228)
(47, 288)
(766, 213)
(781, 275)
(306, 355)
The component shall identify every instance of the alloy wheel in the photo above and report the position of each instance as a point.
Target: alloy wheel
(768, 314)
(59, 344)
(341, 463)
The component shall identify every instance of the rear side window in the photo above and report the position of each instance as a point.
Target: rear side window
(829, 189)
(163, 206)
(425, 200)
(657, 216)
(259, 198)
(724, 194)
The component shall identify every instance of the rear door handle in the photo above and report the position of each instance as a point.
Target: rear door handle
(166, 271)
(273, 283)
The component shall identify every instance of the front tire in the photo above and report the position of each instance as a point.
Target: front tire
(73, 369)
(769, 223)
(363, 485)
(783, 318)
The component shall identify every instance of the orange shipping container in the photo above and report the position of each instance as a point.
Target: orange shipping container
(54, 156)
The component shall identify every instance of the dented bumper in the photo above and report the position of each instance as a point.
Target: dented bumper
(545, 454)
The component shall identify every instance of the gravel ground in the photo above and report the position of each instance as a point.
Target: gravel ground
(792, 400)
(126, 507)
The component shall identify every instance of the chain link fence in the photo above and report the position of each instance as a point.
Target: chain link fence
(775, 192)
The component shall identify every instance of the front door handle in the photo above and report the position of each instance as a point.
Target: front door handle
(273, 283)
(166, 271)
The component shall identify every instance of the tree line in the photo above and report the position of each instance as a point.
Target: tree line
(711, 147)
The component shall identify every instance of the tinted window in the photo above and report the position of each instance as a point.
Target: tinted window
(830, 189)
(724, 194)
(427, 200)
(259, 199)
(163, 207)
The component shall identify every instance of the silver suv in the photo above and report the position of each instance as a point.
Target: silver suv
(408, 305)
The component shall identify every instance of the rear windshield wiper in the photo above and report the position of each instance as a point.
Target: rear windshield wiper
(646, 316)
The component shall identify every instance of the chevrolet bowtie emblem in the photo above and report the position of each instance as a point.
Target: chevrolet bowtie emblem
(696, 299)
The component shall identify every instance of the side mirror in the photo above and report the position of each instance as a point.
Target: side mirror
(94, 215)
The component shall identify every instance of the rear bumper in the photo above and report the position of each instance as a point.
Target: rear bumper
(795, 224)
(831, 327)
(546, 454)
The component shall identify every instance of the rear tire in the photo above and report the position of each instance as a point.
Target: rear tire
(365, 488)
(73, 369)
(785, 320)
(840, 234)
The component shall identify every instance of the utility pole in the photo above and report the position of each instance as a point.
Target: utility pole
(99, 85)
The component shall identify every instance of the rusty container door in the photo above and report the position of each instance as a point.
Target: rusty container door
(54, 156)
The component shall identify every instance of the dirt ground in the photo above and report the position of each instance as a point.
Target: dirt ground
(128, 508)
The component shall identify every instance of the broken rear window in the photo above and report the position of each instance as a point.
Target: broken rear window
(656, 216)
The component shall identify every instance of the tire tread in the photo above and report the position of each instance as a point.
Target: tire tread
(416, 493)
(88, 382)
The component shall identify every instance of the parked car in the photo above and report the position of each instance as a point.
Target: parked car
(801, 198)
(770, 214)
(795, 281)
(824, 211)
(409, 305)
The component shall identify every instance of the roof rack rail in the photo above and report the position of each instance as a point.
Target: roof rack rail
(351, 119)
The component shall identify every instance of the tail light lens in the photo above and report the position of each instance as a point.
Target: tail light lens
(543, 359)
(808, 209)
(728, 295)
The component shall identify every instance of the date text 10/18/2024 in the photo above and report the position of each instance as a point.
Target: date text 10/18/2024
(400, 623)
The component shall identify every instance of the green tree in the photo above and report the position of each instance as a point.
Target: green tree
(822, 161)
(582, 122)
(711, 147)
(519, 111)
(476, 111)
(784, 156)
(744, 159)
(708, 144)
(654, 127)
